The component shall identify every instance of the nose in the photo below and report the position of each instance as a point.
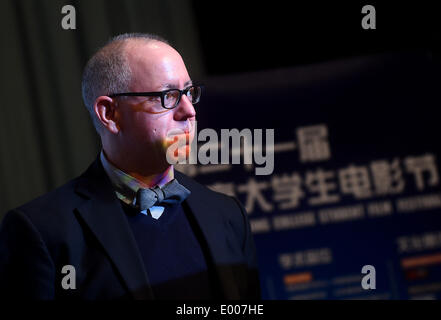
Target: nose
(184, 110)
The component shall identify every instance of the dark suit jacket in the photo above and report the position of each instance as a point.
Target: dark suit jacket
(82, 224)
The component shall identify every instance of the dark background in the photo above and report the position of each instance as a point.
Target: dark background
(240, 36)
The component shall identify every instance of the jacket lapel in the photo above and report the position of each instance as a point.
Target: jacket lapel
(104, 216)
(212, 226)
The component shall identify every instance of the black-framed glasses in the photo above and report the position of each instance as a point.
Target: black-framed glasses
(170, 98)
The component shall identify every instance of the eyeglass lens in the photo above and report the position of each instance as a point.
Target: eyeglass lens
(172, 96)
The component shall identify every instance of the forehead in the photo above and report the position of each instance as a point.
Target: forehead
(153, 63)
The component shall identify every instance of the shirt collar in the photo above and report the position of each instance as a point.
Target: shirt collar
(124, 184)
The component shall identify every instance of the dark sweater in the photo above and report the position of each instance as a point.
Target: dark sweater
(174, 253)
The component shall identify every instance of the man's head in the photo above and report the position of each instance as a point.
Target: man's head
(134, 128)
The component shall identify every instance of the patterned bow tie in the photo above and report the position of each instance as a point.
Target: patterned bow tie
(171, 193)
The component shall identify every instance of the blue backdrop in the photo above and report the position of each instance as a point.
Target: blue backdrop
(356, 176)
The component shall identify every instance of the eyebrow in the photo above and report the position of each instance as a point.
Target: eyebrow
(173, 86)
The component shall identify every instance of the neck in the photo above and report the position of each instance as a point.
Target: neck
(148, 180)
(157, 179)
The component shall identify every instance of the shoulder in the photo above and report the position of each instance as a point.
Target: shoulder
(61, 197)
(61, 200)
(57, 198)
(48, 213)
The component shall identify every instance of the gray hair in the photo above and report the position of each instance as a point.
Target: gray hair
(108, 71)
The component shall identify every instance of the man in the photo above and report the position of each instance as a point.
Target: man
(131, 226)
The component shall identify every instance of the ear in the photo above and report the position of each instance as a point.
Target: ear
(107, 113)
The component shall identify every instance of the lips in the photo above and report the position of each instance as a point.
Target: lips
(177, 131)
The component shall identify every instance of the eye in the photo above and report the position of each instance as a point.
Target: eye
(171, 95)
(153, 99)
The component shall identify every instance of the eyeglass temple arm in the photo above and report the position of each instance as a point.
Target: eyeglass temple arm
(140, 94)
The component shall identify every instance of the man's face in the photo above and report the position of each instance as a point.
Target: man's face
(145, 126)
